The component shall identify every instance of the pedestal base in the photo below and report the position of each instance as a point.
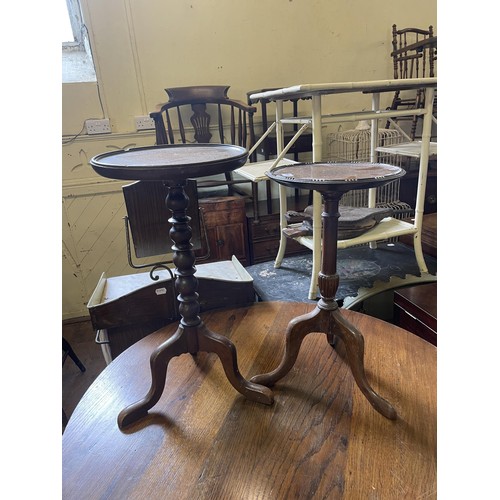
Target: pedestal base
(327, 318)
(332, 181)
(192, 339)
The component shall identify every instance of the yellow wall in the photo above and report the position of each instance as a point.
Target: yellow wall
(142, 46)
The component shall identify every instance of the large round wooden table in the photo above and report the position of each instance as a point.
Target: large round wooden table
(320, 438)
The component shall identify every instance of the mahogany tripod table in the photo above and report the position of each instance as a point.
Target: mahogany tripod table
(332, 180)
(174, 164)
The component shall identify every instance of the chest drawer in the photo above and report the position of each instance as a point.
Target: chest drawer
(415, 310)
(266, 250)
(267, 227)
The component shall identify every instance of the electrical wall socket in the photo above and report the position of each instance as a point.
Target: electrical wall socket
(98, 126)
(144, 123)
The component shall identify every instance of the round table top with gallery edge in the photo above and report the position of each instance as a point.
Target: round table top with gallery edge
(325, 176)
(173, 162)
(320, 438)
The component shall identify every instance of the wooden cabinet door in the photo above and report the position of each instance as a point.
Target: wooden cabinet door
(226, 230)
(226, 241)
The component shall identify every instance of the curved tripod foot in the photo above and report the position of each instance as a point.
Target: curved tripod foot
(131, 414)
(354, 345)
(296, 331)
(161, 356)
(383, 406)
(212, 342)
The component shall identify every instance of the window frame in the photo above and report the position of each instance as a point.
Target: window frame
(77, 26)
(77, 60)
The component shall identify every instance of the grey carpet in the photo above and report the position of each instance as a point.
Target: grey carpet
(357, 267)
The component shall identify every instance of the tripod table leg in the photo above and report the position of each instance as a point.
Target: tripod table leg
(159, 360)
(209, 341)
(296, 331)
(354, 344)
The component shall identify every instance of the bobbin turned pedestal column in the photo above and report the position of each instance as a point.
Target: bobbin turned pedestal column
(332, 180)
(173, 165)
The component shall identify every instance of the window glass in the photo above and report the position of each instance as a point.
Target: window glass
(67, 31)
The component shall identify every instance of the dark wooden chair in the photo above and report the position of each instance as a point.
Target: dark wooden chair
(206, 114)
(267, 147)
(414, 55)
(67, 350)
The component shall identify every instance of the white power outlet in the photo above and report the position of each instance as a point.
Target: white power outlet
(144, 123)
(98, 126)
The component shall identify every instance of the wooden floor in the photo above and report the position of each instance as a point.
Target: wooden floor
(81, 336)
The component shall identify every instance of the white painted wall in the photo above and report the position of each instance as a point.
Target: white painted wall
(142, 46)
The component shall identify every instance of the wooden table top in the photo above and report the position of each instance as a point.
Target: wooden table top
(320, 439)
(169, 161)
(335, 176)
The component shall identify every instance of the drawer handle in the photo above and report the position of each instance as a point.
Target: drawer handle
(98, 338)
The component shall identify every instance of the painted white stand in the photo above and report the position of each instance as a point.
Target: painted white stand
(424, 149)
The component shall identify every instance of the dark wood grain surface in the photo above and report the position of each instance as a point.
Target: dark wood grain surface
(320, 438)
